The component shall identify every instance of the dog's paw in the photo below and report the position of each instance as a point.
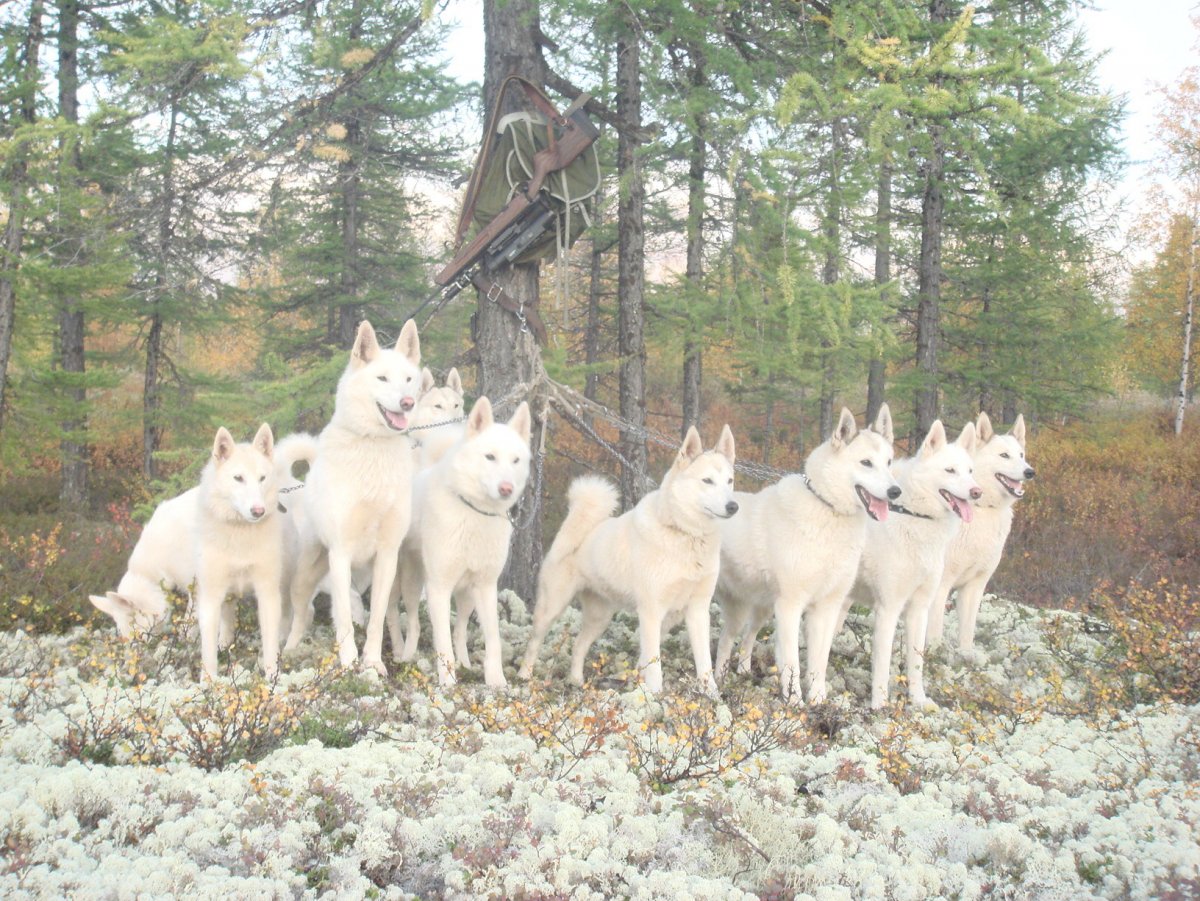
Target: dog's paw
(922, 702)
(525, 673)
(374, 666)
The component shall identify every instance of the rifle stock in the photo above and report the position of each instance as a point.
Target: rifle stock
(578, 135)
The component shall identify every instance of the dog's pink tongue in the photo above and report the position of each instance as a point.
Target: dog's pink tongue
(879, 509)
(964, 509)
(396, 420)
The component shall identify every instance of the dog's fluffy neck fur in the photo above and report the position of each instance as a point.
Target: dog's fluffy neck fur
(917, 498)
(838, 494)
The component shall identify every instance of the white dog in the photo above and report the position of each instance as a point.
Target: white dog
(902, 560)
(794, 549)
(660, 558)
(459, 539)
(974, 554)
(239, 542)
(359, 490)
(165, 557)
(437, 422)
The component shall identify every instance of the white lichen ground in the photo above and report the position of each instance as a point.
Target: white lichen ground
(427, 805)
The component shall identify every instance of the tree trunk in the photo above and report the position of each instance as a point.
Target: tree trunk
(694, 273)
(25, 112)
(591, 334)
(929, 265)
(350, 310)
(509, 359)
(631, 265)
(830, 274)
(1189, 307)
(71, 327)
(876, 370)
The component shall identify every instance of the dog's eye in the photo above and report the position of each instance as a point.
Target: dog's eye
(1004, 455)
(708, 481)
(438, 407)
(951, 470)
(516, 459)
(382, 378)
(491, 457)
(262, 478)
(239, 478)
(730, 482)
(868, 464)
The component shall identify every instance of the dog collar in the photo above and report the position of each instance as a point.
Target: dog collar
(483, 512)
(809, 485)
(900, 508)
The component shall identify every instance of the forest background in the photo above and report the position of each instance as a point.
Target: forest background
(805, 205)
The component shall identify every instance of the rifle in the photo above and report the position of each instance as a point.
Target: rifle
(526, 216)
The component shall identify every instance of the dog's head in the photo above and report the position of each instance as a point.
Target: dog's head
(491, 464)
(377, 392)
(856, 467)
(130, 619)
(944, 468)
(702, 481)
(1000, 463)
(239, 481)
(439, 403)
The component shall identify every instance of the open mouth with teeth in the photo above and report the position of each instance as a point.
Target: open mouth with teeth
(1014, 487)
(397, 422)
(961, 507)
(876, 509)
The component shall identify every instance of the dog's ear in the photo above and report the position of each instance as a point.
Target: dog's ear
(844, 431)
(691, 448)
(725, 444)
(222, 445)
(1018, 430)
(426, 380)
(983, 426)
(883, 424)
(935, 440)
(480, 417)
(264, 441)
(117, 607)
(522, 422)
(409, 343)
(968, 438)
(454, 381)
(366, 345)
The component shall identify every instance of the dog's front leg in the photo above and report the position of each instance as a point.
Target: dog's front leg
(916, 618)
(438, 595)
(649, 658)
(383, 574)
(208, 622)
(483, 598)
(788, 611)
(887, 615)
(270, 612)
(699, 634)
(339, 606)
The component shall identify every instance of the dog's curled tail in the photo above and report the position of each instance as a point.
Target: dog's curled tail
(590, 501)
(295, 448)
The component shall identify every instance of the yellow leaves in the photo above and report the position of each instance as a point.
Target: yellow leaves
(332, 153)
(336, 131)
(359, 56)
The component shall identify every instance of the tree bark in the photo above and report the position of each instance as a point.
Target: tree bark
(509, 359)
(876, 369)
(831, 273)
(693, 369)
(929, 266)
(73, 448)
(631, 265)
(1189, 308)
(25, 113)
(591, 333)
(350, 309)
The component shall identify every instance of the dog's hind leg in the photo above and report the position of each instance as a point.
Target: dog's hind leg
(734, 616)
(557, 585)
(228, 624)
(916, 618)
(937, 613)
(310, 569)
(597, 614)
(411, 579)
(758, 619)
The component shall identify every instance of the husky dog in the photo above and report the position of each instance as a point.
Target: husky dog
(902, 560)
(660, 558)
(795, 546)
(458, 542)
(359, 489)
(165, 555)
(974, 554)
(239, 542)
(437, 420)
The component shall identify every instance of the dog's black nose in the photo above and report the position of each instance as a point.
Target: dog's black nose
(1030, 472)
(731, 508)
(893, 492)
